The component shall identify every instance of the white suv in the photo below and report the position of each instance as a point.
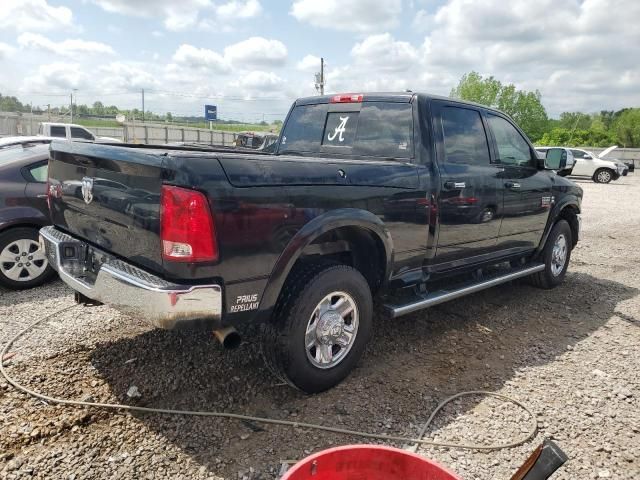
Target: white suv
(587, 164)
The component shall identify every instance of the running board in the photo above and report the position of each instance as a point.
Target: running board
(442, 296)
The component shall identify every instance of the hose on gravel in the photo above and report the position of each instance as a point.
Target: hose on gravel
(419, 440)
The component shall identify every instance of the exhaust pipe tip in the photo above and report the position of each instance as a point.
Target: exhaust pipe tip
(228, 337)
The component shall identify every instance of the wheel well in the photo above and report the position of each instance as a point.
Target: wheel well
(20, 225)
(354, 246)
(570, 214)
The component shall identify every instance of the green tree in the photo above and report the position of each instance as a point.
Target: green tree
(523, 106)
(627, 127)
(98, 108)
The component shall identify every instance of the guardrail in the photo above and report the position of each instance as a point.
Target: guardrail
(26, 124)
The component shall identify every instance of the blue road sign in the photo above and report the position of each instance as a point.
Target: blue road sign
(210, 113)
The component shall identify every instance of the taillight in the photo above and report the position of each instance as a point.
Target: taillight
(186, 226)
(347, 98)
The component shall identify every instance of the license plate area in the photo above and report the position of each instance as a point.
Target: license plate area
(81, 260)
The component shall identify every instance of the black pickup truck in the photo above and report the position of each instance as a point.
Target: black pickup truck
(410, 198)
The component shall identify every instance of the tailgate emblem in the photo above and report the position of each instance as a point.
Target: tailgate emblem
(87, 190)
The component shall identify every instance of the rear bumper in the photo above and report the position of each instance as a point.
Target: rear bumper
(129, 288)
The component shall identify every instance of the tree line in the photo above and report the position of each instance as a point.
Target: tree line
(572, 129)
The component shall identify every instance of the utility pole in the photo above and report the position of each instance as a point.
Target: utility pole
(320, 78)
(143, 104)
(71, 106)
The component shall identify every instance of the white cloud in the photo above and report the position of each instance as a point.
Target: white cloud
(200, 58)
(239, 9)
(309, 63)
(119, 76)
(177, 15)
(57, 76)
(69, 47)
(256, 82)
(185, 14)
(383, 52)
(257, 51)
(353, 15)
(38, 15)
(5, 50)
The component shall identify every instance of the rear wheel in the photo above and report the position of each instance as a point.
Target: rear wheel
(23, 263)
(556, 256)
(320, 327)
(603, 175)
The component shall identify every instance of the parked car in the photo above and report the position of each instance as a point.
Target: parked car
(357, 202)
(23, 211)
(623, 168)
(587, 164)
(76, 133)
(605, 153)
(256, 140)
(7, 142)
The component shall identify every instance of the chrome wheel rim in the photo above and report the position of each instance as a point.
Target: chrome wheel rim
(559, 255)
(604, 176)
(22, 260)
(331, 330)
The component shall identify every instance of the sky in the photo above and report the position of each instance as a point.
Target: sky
(252, 58)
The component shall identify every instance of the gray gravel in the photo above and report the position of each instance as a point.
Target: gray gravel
(570, 354)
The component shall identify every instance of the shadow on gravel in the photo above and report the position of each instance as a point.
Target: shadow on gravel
(476, 343)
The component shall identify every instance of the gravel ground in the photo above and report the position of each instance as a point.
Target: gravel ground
(570, 354)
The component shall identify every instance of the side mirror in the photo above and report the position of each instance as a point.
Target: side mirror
(588, 157)
(555, 159)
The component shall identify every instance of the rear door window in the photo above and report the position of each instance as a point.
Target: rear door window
(58, 131)
(465, 140)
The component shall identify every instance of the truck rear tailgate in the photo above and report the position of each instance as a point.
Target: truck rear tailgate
(110, 197)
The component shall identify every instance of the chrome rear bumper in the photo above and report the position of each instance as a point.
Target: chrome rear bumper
(129, 288)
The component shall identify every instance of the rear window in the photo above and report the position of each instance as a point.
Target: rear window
(378, 129)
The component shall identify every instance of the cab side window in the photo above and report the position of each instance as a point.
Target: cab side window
(465, 141)
(513, 149)
(578, 153)
(58, 131)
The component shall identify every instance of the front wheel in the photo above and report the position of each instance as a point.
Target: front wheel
(556, 256)
(320, 326)
(603, 175)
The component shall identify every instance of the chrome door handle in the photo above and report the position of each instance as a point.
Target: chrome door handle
(449, 185)
(512, 185)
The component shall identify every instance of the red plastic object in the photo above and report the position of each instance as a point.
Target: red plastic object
(367, 462)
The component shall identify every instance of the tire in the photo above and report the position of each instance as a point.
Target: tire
(298, 317)
(553, 275)
(603, 175)
(31, 272)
